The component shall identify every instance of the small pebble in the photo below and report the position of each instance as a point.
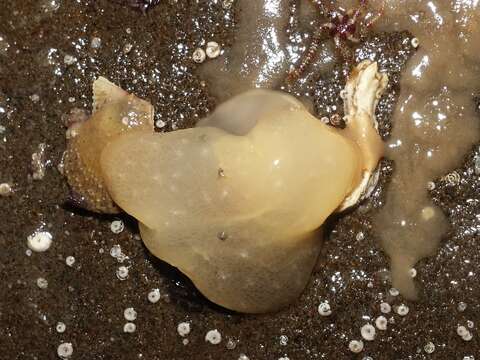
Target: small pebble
(394, 292)
(183, 329)
(117, 226)
(461, 306)
(284, 358)
(385, 308)
(154, 296)
(213, 337)
(367, 358)
(185, 341)
(462, 331)
(429, 348)
(129, 327)
(222, 235)
(212, 50)
(470, 324)
(42, 283)
(227, 4)
(471, 357)
(60, 327)
(65, 350)
(360, 236)
(96, 43)
(39, 241)
(430, 185)
(402, 310)
(116, 253)
(130, 314)
(231, 344)
(160, 124)
(356, 346)
(199, 55)
(243, 357)
(69, 60)
(28, 252)
(415, 42)
(368, 332)
(122, 273)
(35, 98)
(381, 323)
(127, 48)
(324, 309)
(70, 260)
(412, 272)
(283, 340)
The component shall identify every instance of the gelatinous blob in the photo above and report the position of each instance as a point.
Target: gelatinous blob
(434, 123)
(246, 235)
(236, 203)
(114, 112)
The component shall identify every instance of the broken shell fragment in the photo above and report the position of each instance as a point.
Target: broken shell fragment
(114, 112)
(362, 92)
(236, 203)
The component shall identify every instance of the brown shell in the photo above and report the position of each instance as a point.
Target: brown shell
(115, 113)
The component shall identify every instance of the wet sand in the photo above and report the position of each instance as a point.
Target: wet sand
(150, 55)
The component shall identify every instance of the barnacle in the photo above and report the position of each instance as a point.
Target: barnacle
(237, 202)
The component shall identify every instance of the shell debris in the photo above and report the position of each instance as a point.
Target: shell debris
(324, 309)
(65, 350)
(199, 55)
(213, 337)
(129, 328)
(368, 332)
(355, 346)
(381, 323)
(39, 241)
(154, 296)
(69, 260)
(213, 49)
(5, 189)
(385, 308)
(122, 273)
(42, 283)
(117, 226)
(60, 327)
(429, 348)
(402, 310)
(183, 329)
(130, 314)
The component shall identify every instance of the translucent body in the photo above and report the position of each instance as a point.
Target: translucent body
(234, 207)
(237, 202)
